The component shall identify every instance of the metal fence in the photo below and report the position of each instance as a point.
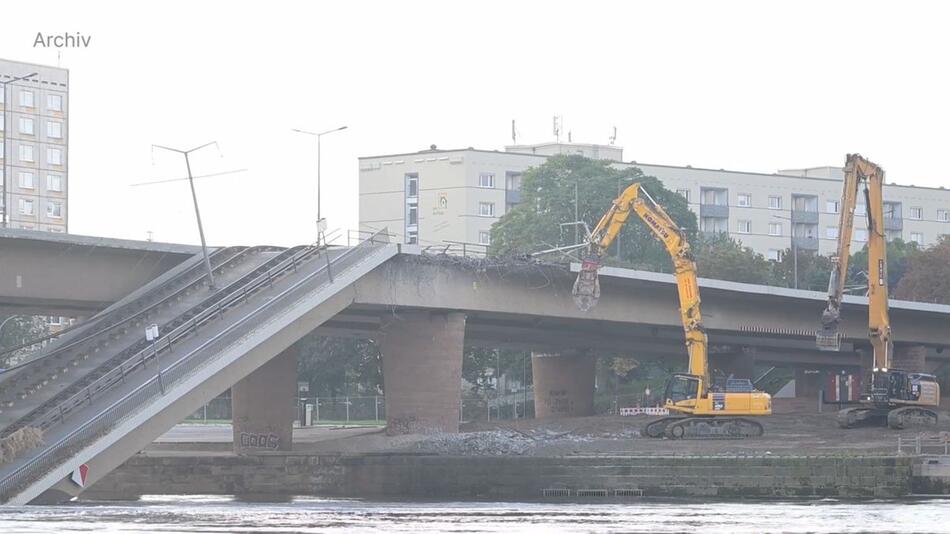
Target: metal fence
(923, 445)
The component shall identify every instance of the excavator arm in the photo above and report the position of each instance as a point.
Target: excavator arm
(636, 200)
(858, 171)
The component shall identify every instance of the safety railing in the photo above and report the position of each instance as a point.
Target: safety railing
(120, 316)
(923, 444)
(152, 388)
(141, 358)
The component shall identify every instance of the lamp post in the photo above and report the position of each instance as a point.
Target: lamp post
(6, 106)
(791, 234)
(318, 135)
(194, 198)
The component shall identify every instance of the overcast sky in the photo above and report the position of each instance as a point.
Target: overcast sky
(754, 86)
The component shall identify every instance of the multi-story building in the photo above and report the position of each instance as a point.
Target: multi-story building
(455, 195)
(34, 100)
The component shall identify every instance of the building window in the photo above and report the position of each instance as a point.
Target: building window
(412, 237)
(860, 234)
(26, 207)
(891, 235)
(745, 227)
(26, 126)
(25, 180)
(486, 179)
(774, 254)
(484, 238)
(54, 102)
(683, 193)
(26, 98)
(54, 156)
(892, 210)
(916, 213)
(831, 232)
(412, 214)
(54, 182)
(775, 228)
(775, 202)
(714, 225)
(832, 206)
(917, 237)
(808, 231)
(714, 197)
(804, 203)
(943, 215)
(486, 209)
(26, 153)
(412, 185)
(744, 200)
(54, 129)
(54, 210)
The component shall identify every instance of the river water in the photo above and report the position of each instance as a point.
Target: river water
(166, 514)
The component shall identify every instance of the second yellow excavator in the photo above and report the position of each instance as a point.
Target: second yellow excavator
(708, 411)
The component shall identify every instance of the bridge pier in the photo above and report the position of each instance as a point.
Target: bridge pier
(563, 384)
(911, 358)
(262, 406)
(422, 371)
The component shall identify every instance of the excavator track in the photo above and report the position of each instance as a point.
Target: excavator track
(898, 418)
(704, 428)
(855, 416)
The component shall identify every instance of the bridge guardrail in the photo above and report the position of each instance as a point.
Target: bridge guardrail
(150, 389)
(923, 444)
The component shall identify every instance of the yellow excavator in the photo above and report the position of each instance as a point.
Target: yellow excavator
(708, 411)
(899, 397)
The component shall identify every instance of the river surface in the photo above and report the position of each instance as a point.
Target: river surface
(166, 514)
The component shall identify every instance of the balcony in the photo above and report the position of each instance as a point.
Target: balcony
(891, 223)
(513, 196)
(804, 217)
(714, 210)
(805, 243)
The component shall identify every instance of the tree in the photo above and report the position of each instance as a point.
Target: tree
(927, 274)
(19, 330)
(814, 270)
(898, 255)
(338, 366)
(724, 258)
(548, 200)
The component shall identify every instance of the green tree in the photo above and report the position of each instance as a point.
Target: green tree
(19, 330)
(724, 258)
(898, 257)
(927, 274)
(814, 270)
(548, 200)
(338, 366)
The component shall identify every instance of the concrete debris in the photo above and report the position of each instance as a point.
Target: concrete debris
(497, 442)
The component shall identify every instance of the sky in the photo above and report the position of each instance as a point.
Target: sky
(751, 86)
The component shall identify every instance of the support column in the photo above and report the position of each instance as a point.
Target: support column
(422, 371)
(262, 406)
(563, 384)
(912, 358)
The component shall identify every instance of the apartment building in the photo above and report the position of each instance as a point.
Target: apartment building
(34, 100)
(435, 196)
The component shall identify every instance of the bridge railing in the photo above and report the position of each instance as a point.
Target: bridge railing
(918, 444)
(152, 388)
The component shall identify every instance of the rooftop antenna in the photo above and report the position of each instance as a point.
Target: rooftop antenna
(514, 134)
(613, 138)
(557, 128)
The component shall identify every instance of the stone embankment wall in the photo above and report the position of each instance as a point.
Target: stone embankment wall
(409, 476)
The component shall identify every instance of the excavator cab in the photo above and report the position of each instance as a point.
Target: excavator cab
(681, 388)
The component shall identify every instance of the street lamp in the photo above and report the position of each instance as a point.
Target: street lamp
(321, 226)
(791, 234)
(194, 198)
(6, 106)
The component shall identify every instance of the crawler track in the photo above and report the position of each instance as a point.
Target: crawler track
(704, 428)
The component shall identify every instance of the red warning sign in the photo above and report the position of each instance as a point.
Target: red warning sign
(80, 474)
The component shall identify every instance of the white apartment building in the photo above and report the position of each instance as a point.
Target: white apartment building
(34, 100)
(435, 196)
